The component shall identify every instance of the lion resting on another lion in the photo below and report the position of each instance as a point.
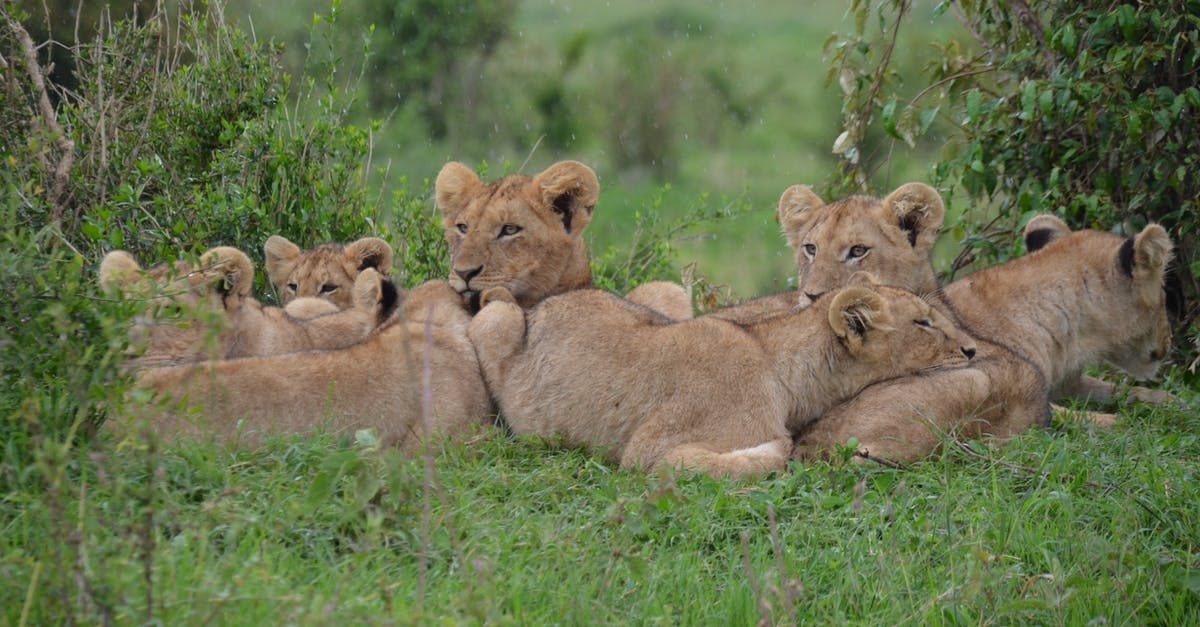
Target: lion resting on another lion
(374, 384)
(1084, 298)
(706, 394)
(218, 318)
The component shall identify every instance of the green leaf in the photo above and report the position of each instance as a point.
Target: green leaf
(889, 119)
(974, 102)
(1127, 20)
(1066, 39)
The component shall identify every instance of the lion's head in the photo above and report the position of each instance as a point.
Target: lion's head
(891, 238)
(185, 317)
(1123, 286)
(327, 271)
(521, 233)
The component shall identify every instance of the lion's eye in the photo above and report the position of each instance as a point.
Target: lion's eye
(924, 322)
(328, 288)
(857, 251)
(509, 229)
(291, 287)
(810, 249)
(462, 227)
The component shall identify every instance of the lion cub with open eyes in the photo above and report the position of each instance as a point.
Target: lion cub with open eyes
(218, 318)
(705, 394)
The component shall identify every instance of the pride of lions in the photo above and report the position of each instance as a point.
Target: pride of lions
(868, 349)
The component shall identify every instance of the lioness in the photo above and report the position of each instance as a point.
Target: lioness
(327, 271)
(376, 383)
(706, 394)
(218, 318)
(1084, 298)
(526, 235)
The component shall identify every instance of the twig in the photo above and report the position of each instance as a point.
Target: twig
(789, 595)
(948, 79)
(764, 609)
(865, 454)
(29, 594)
(65, 146)
(427, 453)
(531, 151)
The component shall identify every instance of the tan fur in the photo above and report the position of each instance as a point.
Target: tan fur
(521, 233)
(374, 384)
(1040, 320)
(327, 271)
(706, 394)
(526, 235)
(892, 238)
(206, 311)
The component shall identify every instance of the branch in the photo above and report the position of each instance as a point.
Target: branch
(65, 146)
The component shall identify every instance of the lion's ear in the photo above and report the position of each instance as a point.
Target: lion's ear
(855, 310)
(570, 189)
(230, 272)
(1042, 230)
(919, 212)
(281, 255)
(374, 292)
(1145, 258)
(371, 252)
(119, 271)
(795, 209)
(456, 185)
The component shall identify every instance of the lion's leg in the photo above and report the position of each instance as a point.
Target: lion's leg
(1100, 419)
(1089, 388)
(907, 419)
(497, 332)
(667, 298)
(743, 463)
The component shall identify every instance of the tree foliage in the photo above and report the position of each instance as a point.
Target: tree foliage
(423, 46)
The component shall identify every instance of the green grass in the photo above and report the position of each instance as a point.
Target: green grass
(1066, 525)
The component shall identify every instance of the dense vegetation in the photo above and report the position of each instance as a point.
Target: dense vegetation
(180, 131)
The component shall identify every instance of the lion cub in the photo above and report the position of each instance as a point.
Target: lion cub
(526, 234)
(705, 394)
(209, 312)
(327, 272)
(376, 383)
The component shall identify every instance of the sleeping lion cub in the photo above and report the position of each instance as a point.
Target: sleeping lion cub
(705, 394)
(206, 311)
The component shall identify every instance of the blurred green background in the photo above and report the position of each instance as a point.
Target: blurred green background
(677, 105)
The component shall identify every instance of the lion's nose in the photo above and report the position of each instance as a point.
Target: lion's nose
(468, 274)
(969, 351)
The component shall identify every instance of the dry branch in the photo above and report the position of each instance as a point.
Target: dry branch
(57, 194)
